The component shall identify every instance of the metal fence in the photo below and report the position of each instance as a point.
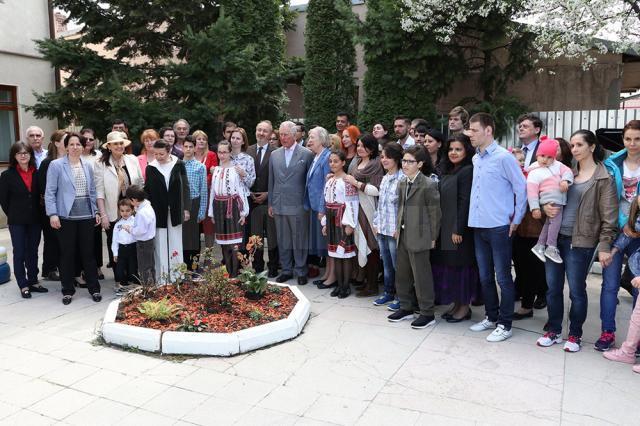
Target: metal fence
(564, 123)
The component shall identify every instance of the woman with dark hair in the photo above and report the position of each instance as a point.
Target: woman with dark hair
(168, 188)
(624, 166)
(114, 173)
(564, 153)
(51, 246)
(455, 272)
(274, 139)
(434, 142)
(91, 152)
(589, 225)
(70, 199)
(365, 173)
(384, 221)
(169, 136)
(381, 133)
(20, 200)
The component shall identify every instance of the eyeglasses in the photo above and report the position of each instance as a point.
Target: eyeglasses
(22, 153)
(408, 161)
(90, 139)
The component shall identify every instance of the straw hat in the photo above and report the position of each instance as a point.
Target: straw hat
(116, 137)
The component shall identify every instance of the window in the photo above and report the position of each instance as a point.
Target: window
(9, 128)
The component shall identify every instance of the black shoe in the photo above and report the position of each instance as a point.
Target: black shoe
(400, 315)
(101, 276)
(66, 300)
(323, 286)
(38, 289)
(302, 280)
(446, 316)
(283, 278)
(97, 297)
(52, 276)
(25, 293)
(423, 321)
(318, 282)
(540, 303)
(344, 293)
(518, 316)
(335, 292)
(273, 272)
(453, 319)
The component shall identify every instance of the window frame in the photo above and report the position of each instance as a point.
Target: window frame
(13, 90)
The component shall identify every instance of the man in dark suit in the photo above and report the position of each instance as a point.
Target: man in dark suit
(288, 168)
(530, 282)
(260, 221)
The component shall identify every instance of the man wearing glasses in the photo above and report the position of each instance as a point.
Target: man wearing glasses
(35, 136)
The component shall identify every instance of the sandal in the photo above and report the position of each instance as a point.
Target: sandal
(26, 294)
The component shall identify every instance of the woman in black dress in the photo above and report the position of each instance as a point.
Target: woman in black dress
(455, 273)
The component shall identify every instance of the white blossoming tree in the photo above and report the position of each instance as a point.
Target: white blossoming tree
(570, 28)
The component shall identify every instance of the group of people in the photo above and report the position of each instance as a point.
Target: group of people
(438, 219)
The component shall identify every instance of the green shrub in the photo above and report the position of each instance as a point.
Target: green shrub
(162, 310)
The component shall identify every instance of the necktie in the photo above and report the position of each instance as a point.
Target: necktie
(259, 156)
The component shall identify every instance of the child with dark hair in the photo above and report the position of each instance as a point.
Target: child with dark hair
(144, 232)
(123, 246)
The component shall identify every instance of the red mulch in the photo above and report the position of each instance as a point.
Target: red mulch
(235, 318)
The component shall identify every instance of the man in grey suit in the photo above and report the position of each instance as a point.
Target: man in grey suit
(288, 168)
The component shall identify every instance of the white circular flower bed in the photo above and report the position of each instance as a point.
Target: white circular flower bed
(205, 343)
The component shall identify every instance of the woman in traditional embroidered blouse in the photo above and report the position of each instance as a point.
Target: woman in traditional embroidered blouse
(339, 222)
(244, 164)
(228, 207)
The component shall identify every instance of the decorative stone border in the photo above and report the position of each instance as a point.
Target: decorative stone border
(219, 344)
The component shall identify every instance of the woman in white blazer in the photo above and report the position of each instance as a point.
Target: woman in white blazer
(114, 173)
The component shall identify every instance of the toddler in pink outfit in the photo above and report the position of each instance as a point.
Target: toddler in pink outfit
(548, 181)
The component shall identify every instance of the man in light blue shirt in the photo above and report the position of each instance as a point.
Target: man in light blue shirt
(498, 203)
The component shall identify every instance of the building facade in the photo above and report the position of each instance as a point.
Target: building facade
(23, 70)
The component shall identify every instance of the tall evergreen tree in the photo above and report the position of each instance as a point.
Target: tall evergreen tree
(406, 72)
(160, 62)
(328, 85)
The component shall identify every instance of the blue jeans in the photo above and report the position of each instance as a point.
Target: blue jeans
(25, 240)
(611, 284)
(388, 248)
(577, 262)
(493, 253)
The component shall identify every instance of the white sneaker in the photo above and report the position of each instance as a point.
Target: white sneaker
(549, 339)
(553, 254)
(538, 250)
(572, 344)
(483, 325)
(499, 334)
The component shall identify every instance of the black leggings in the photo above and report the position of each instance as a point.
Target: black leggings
(343, 272)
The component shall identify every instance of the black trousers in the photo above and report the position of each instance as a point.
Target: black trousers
(76, 242)
(51, 247)
(127, 265)
(109, 233)
(530, 279)
(146, 261)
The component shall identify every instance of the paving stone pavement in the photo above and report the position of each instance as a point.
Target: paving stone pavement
(350, 366)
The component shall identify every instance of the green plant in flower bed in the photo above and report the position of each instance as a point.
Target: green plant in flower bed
(274, 289)
(192, 324)
(162, 310)
(215, 290)
(275, 304)
(256, 314)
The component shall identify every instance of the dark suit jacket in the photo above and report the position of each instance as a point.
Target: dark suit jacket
(420, 213)
(178, 197)
(261, 183)
(287, 184)
(21, 206)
